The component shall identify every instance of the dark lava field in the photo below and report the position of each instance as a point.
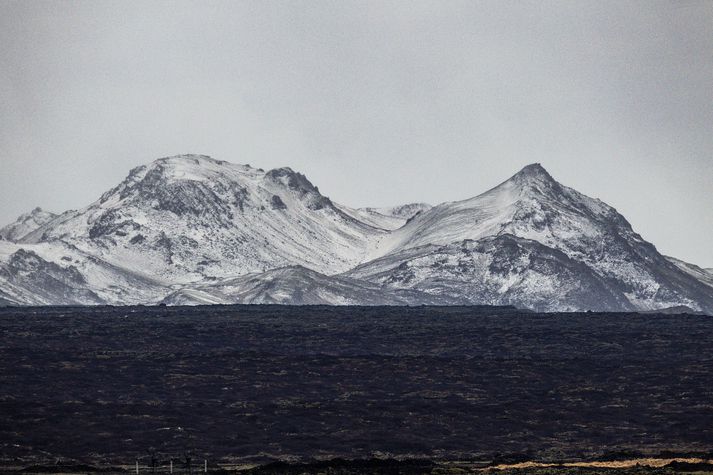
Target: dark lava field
(260, 383)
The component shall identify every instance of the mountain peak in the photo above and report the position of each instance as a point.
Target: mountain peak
(288, 177)
(533, 171)
(187, 165)
(534, 179)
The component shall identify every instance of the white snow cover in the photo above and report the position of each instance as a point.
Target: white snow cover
(187, 228)
(187, 218)
(388, 218)
(110, 283)
(25, 224)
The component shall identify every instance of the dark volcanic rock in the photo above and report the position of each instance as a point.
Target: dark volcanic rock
(271, 382)
(277, 202)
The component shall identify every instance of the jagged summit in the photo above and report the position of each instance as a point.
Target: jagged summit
(534, 170)
(531, 180)
(189, 157)
(189, 167)
(198, 184)
(203, 168)
(184, 162)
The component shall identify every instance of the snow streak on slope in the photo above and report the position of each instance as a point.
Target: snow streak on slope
(25, 224)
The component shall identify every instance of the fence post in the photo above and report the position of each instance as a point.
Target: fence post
(171, 465)
(137, 467)
(205, 466)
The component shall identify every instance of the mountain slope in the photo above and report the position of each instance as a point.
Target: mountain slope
(296, 285)
(57, 273)
(703, 275)
(496, 270)
(25, 224)
(26, 278)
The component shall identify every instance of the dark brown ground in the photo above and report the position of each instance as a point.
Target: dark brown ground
(254, 384)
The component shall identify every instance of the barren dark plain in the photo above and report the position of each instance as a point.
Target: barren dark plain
(280, 389)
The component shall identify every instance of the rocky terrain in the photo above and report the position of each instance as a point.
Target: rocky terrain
(190, 229)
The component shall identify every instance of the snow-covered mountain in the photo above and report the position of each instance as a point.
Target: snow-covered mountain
(532, 206)
(190, 229)
(190, 218)
(25, 224)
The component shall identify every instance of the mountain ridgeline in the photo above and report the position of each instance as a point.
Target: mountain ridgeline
(193, 230)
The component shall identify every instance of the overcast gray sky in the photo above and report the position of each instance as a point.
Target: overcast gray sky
(378, 103)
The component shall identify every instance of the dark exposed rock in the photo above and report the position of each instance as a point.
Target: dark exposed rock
(299, 183)
(277, 202)
(138, 239)
(112, 223)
